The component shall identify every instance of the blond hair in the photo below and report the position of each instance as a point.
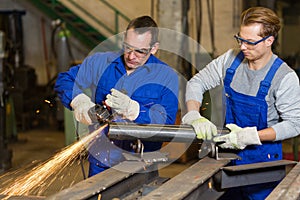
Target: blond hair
(265, 16)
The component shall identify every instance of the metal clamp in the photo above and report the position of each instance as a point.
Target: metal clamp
(210, 149)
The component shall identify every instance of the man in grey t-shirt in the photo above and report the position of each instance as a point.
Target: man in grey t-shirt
(262, 98)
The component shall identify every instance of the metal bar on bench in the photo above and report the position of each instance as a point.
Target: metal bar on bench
(22, 197)
(289, 187)
(240, 175)
(192, 183)
(112, 183)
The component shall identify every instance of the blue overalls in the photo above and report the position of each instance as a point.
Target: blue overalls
(248, 111)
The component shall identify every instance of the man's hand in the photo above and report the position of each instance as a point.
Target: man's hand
(81, 105)
(204, 128)
(239, 137)
(123, 104)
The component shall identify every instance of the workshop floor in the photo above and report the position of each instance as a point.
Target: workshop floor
(34, 146)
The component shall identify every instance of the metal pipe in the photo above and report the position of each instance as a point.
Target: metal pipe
(151, 132)
(154, 132)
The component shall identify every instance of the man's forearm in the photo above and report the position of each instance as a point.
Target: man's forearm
(193, 105)
(267, 134)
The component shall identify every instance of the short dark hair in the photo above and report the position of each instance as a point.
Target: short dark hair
(143, 24)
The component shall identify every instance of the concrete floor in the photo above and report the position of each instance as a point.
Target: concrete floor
(38, 145)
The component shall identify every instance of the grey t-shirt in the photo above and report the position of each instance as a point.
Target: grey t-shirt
(283, 98)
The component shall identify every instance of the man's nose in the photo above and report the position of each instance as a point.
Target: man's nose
(243, 46)
(131, 54)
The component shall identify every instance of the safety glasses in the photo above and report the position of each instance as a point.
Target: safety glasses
(241, 41)
(141, 53)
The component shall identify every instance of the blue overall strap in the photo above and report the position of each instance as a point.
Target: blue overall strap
(231, 70)
(266, 83)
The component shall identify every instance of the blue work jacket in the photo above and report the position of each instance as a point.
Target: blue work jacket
(154, 86)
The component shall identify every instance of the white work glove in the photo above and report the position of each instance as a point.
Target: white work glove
(203, 128)
(123, 104)
(81, 105)
(239, 137)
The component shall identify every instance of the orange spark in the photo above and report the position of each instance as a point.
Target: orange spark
(23, 185)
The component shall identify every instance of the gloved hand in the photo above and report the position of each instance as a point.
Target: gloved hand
(204, 128)
(123, 104)
(81, 105)
(239, 137)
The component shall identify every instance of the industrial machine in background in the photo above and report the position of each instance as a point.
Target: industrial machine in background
(20, 79)
(11, 61)
(6, 154)
(34, 105)
(23, 104)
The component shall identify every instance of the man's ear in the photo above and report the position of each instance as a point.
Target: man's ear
(154, 48)
(270, 41)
